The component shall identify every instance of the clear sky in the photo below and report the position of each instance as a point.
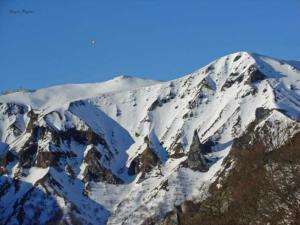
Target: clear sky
(49, 42)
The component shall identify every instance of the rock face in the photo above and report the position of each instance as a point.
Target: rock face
(255, 74)
(144, 162)
(196, 159)
(47, 159)
(221, 147)
(5, 157)
(27, 155)
(94, 171)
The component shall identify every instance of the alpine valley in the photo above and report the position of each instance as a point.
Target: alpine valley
(219, 146)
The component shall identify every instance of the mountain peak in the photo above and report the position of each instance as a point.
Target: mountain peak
(122, 77)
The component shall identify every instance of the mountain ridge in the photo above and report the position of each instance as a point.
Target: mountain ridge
(148, 146)
(125, 77)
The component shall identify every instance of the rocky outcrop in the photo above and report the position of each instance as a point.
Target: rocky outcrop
(261, 113)
(155, 104)
(82, 136)
(46, 159)
(32, 121)
(27, 155)
(196, 101)
(237, 58)
(177, 151)
(6, 157)
(161, 100)
(234, 78)
(195, 158)
(144, 162)
(254, 75)
(94, 171)
(32, 155)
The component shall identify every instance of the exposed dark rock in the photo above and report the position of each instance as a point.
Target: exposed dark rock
(206, 83)
(252, 91)
(27, 155)
(134, 167)
(254, 75)
(185, 116)
(46, 159)
(292, 87)
(32, 120)
(209, 68)
(237, 58)
(177, 150)
(119, 112)
(93, 138)
(155, 104)
(83, 136)
(236, 128)
(206, 147)
(232, 79)
(162, 100)
(16, 128)
(94, 171)
(69, 171)
(165, 185)
(5, 159)
(262, 113)
(196, 159)
(196, 101)
(144, 162)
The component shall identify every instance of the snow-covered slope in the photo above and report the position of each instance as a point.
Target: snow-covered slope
(126, 150)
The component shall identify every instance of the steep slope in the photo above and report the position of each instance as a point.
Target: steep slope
(259, 183)
(128, 150)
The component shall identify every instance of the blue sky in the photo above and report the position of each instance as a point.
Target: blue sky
(50, 42)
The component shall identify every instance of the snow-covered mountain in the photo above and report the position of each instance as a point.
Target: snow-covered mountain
(129, 151)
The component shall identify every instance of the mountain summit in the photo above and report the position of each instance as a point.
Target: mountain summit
(219, 146)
